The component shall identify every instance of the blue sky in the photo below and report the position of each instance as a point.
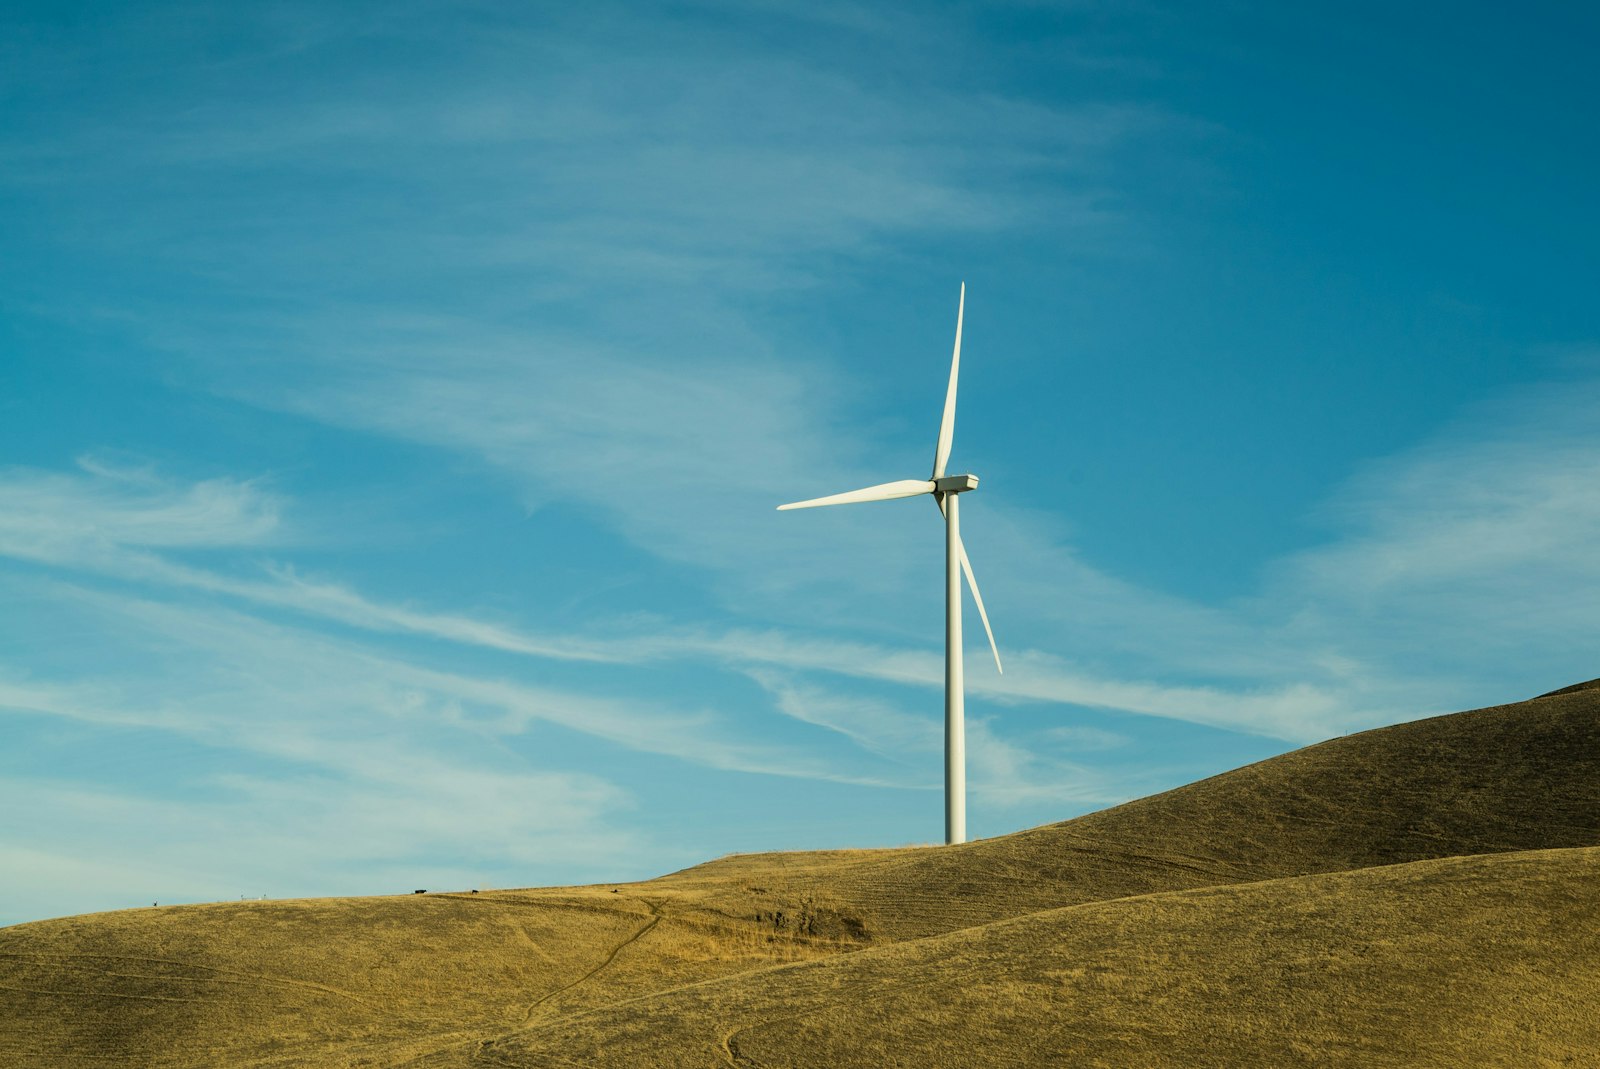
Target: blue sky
(394, 400)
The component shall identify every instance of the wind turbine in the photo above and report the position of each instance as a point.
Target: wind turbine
(945, 490)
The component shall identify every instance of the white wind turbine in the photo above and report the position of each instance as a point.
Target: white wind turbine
(944, 489)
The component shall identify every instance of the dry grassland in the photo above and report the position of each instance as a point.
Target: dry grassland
(1515, 777)
(1477, 961)
(1291, 912)
(339, 982)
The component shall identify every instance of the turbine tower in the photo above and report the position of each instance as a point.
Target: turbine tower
(945, 490)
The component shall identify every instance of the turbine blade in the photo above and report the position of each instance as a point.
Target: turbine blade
(881, 492)
(977, 598)
(947, 426)
(972, 584)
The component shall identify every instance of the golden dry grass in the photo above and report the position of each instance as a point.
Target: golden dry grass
(1292, 905)
(349, 981)
(1488, 960)
(1514, 777)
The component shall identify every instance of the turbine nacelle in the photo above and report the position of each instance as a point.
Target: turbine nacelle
(955, 484)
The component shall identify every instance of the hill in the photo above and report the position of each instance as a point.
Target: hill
(1311, 834)
(1510, 777)
(1482, 961)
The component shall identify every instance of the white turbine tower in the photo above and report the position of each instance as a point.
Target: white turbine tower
(944, 489)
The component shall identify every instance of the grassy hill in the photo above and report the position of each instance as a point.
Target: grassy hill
(1322, 901)
(1487, 960)
(1513, 777)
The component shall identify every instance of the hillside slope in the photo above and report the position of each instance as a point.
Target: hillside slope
(375, 981)
(1512, 777)
(1482, 961)
(363, 981)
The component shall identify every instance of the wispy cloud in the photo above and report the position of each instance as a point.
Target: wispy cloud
(310, 770)
(108, 520)
(1501, 497)
(1087, 739)
(309, 690)
(1472, 551)
(308, 755)
(287, 835)
(592, 314)
(55, 517)
(1297, 710)
(1001, 771)
(687, 149)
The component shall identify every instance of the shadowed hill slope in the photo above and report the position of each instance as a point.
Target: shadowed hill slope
(1511, 777)
(362, 981)
(377, 981)
(1590, 684)
(1481, 961)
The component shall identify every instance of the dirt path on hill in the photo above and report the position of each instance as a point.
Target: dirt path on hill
(655, 919)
